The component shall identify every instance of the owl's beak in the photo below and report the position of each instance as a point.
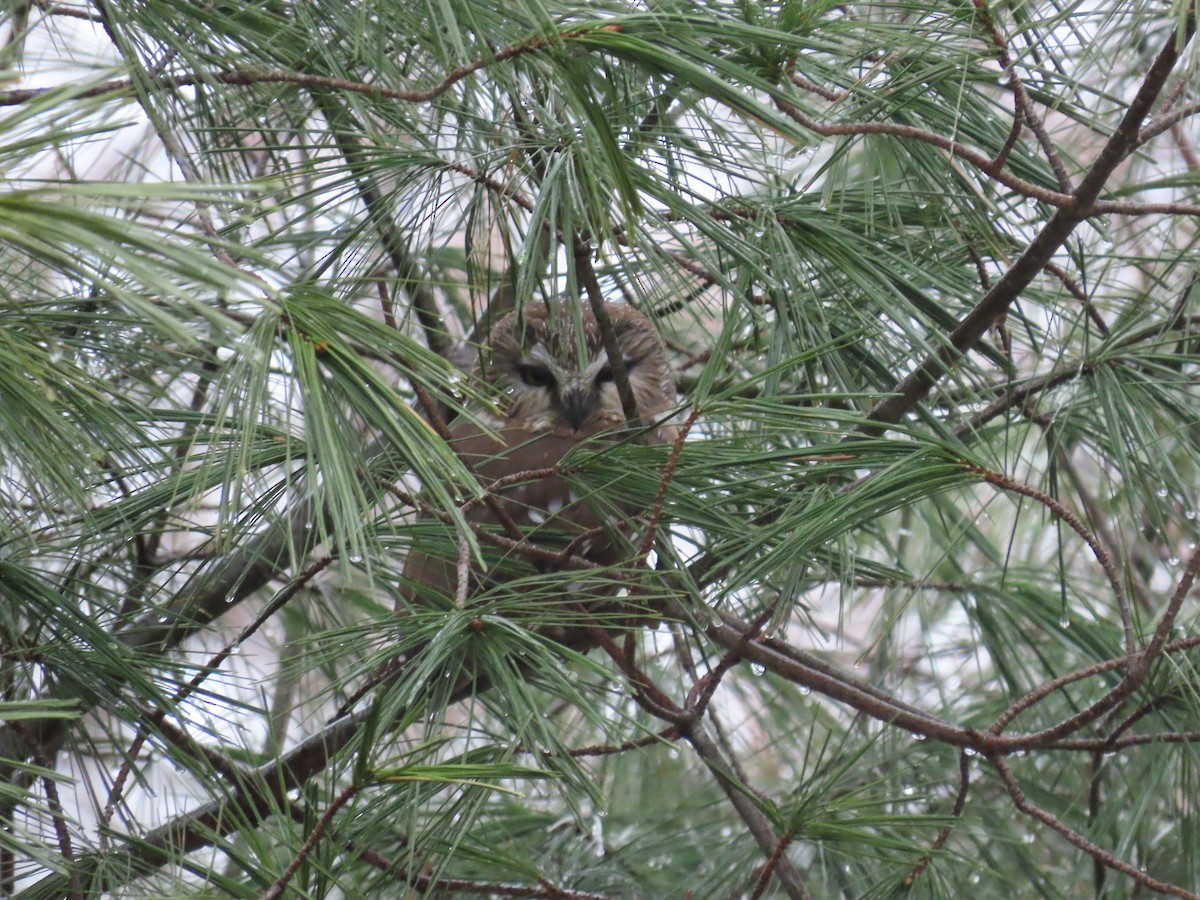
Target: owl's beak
(575, 408)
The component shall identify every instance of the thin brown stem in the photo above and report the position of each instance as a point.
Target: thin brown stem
(1072, 521)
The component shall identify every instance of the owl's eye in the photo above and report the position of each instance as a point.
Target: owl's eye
(536, 376)
(605, 375)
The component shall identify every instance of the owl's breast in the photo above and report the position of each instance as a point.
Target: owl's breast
(521, 470)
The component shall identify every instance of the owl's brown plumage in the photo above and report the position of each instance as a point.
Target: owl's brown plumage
(557, 390)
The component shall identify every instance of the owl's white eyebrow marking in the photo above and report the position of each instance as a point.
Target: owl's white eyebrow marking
(537, 517)
(554, 506)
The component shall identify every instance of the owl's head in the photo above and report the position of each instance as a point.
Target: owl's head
(551, 367)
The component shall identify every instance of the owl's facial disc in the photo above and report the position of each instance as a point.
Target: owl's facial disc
(577, 394)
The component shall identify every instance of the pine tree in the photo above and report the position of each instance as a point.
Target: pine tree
(920, 566)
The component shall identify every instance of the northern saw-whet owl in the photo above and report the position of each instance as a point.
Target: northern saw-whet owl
(551, 372)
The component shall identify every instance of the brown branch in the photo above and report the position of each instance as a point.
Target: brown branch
(960, 803)
(276, 890)
(1077, 292)
(810, 671)
(61, 832)
(1044, 690)
(1091, 507)
(1137, 665)
(1167, 121)
(660, 496)
(670, 734)
(1110, 746)
(980, 161)
(156, 718)
(913, 388)
(646, 692)
(50, 8)
(764, 877)
(1023, 105)
(1158, 641)
(247, 77)
(1127, 208)
(582, 251)
(491, 184)
(1095, 802)
(655, 701)
(705, 688)
(760, 827)
(1095, 851)
(427, 884)
(806, 84)
(462, 573)
(1010, 397)
(1185, 148)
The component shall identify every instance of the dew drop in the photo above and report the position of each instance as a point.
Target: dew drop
(917, 736)
(757, 668)
(1161, 493)
(805, 690)
(1064, 622)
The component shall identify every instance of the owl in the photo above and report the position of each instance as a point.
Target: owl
(556, 390)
